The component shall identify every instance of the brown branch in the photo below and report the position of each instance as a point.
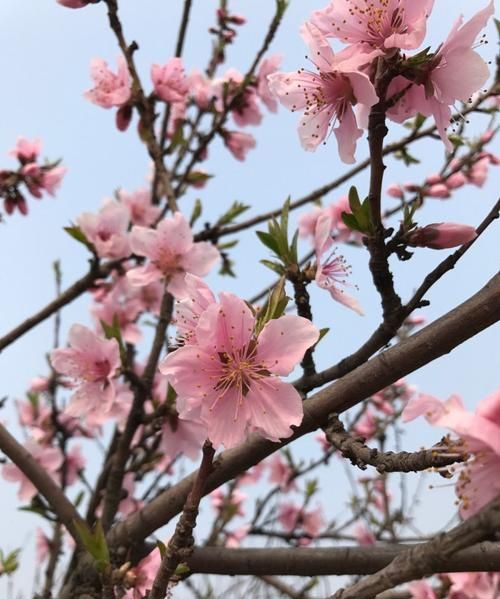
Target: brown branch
(355, 450)
(134, 419)
(386, 331)
(431, 557)
(86, 282)
(437, 339)
(59, 503)
(329, 561)
(283, 588)
(180, 545)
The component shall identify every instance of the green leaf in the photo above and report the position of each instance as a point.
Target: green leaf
(197, 210)
(182, 570)
(311, 488)
(227, 267)
(9, 563)
(322, 333)
(162, 548)
(195, 177)
(269, 241)
(274, 266)
(113, 332)
(177, 138)
(350, 221)
(234, 211)
(228, 245)
(354, 201)
(75, 232)
(293, 247)
(94, 542)
(274, 307)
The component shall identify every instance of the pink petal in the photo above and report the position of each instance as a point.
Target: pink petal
(283, 342)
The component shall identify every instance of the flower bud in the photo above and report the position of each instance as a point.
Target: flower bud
(440, 236)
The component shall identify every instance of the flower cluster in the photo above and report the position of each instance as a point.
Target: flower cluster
(37, 178)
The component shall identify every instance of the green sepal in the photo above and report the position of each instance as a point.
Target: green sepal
(94, 542)
(75, 232)
(234, 211)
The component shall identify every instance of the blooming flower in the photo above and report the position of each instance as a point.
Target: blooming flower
(238, 143)
(327, 96)
(110, 89)
(380, 23)
(170, 82)
(474, 585)
(107, 230)
(268, 66)
(39, 179)
(440, 87)
(26, 151)
(420, 589)
(281, 473)
(172, 253)
(92, 362)
(364, 536)
(479, 433)
(229, 379)
(294, 518)
(332, 271)
(190, 308)
(142, 576)
(142, 211)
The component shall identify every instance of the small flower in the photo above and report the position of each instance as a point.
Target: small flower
(239, 143)
(170, 82)
(110, 89)
(332, 271)
(172, 253)
(107, 230)
(26, 151)
(92, 362)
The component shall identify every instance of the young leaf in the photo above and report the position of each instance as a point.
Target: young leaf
(197, 210)
(234, 211)
(354, 201)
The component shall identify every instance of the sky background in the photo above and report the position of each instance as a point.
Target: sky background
(46, 51)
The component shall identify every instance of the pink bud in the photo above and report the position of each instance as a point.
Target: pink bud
(411, 187)
(123, 117)
(395, 191)
(455, 180)
(73, 3)
(487, 136)
(438, 236)
(433, 179)
(438, 191)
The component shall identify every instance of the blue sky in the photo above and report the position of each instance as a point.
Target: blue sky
(46, 51)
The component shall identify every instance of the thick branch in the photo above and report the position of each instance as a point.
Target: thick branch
(62, 507)
(354, 449)
(331, 561)
(439, 338)
(431, 557)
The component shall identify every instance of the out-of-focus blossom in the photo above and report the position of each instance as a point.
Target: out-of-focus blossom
(239, 143)
(110, 89)
(107, 230)
(170, 81)
(142, 211)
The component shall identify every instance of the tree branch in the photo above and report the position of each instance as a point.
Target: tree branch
(431, 557)
(437, 339)
(329, 561)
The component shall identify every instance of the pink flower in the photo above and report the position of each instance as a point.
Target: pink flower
(440, 236)
(281, 473)
(331, 272)
(380, 24)
(267, 67)
(92, 362)
(26, 151)
(74, 464)
(439, 190)
(39, 384)
(253, 475)
(478, 173)
(294, 518)
(229, 380)
(479, 480)
(246, 111)
(142, 212)
(107, 230)
(474, 585)
(50, 458)
(143, 575)
(420, 589)
(190, 308)
(201, 88)
(440, 87)
(455, 180)
(129, 505)
(395, 191)
(42, 544)
(39, 179)
(364, 536)
(327, 96)
(182, 437)
(228, 505)
(366, 426)
(110, 89)
(234, 537)
(170, 82)
(172, 253)
(238, 143)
